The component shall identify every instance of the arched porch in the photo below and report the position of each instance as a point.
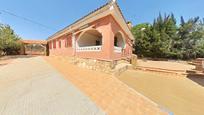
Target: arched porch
(119, 42)
(89, 40)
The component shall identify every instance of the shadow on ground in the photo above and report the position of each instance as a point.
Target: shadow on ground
(4, 60)
(16, 56)
(198, 79)
(3, 64)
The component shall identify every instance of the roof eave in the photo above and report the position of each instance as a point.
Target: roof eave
(71, 26)
(107, 9)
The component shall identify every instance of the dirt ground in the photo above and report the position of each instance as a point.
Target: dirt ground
(170, 65)
(180, 95)
(4, 60)
(109, 93)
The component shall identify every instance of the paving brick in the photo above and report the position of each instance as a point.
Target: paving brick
(30, 86)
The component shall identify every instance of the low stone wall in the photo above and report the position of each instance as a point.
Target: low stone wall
(199, 63)
(115, 67)
(134, 60)
(97, 65)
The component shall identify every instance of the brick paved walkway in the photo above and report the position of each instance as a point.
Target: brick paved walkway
(30, 86)
(113, 96)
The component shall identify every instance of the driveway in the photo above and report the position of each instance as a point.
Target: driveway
(30, 86)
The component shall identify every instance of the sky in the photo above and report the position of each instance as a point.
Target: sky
(57, 14)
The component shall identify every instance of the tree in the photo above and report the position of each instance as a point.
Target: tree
(165, 28)
(155, 40)
(165, 39)
(9, 41)
(190, 33)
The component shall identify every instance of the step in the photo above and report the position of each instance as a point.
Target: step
(195, 75)
(120, 68)
(161, 70)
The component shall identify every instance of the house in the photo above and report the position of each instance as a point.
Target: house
(102, 37)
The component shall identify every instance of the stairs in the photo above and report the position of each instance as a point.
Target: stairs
(195, 73)
(199, 70)
(120, 68)
(161, 70)
(199, 64)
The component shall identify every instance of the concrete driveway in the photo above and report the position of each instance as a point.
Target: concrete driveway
(30, 86)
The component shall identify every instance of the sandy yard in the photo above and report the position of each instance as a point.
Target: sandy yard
(53, 86)
(180, 95)
(109, 93)
(169, 65)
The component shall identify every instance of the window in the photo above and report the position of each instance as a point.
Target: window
(59, 43)
(66, 44)
(54, 44)
(50, 45)
(68, 41)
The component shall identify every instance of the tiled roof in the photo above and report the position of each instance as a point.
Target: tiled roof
(87, 16)
(34, 41)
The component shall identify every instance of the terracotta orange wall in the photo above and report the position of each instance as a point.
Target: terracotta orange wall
(64, 51)
(103, 26)
(115, 27)
(108, 27)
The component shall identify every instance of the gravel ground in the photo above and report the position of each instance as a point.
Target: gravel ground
(30, 86)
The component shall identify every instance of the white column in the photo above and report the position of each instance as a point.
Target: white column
(74, 44)
(73, 41)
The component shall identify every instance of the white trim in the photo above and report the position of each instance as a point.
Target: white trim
(117, 49)
(73, 41)
(89, 49)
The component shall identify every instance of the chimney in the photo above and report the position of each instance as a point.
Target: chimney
(129, 24)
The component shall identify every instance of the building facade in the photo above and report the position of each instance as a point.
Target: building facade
(103, 34)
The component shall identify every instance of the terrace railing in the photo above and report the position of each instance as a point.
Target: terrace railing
(117, 49)
(89, 49)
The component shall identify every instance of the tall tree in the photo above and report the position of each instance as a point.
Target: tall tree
(9, 41)
(165, 39)
(142, 33)
(165, 29)
(189, 32)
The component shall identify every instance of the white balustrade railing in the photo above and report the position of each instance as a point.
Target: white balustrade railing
(89, 49)
(117, 49)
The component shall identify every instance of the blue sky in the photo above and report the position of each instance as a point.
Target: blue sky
(59, 13)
